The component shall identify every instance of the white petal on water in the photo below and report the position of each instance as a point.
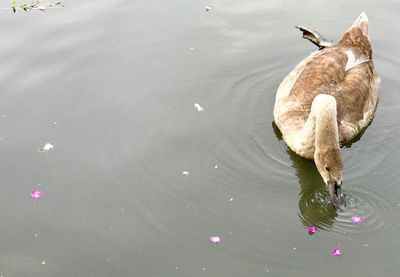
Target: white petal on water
(198, 107)
(47, 147)
(208, 8)
(185, 173)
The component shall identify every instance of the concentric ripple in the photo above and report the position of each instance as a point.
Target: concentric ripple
(376, 212)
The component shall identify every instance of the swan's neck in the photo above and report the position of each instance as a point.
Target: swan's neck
(320, 129)
(326, 125)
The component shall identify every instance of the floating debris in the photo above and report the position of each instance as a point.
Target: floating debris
(312, 229)
(185, 172)
(356, 219)
(208, 8)
(336, 252)
(215, 239)
(47, 147)
(198, 107)
(191, 48)
(35, 5)
(216, 166)
(43, 262)
(36, 194)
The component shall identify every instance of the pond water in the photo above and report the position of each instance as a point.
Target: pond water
(160, 114)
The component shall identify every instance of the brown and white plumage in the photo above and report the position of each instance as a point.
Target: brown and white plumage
(344, 79)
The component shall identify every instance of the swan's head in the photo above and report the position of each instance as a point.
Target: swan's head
(329, 163)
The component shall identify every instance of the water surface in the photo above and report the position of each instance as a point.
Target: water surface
(113, 85)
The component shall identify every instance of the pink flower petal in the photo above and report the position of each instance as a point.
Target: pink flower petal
(356, 219)
(336, 252)
(311, 230)
(36, 194)
(215, 239)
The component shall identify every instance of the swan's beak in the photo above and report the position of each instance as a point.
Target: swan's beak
(335, 192)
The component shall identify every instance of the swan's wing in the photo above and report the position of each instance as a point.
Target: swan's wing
(347, 74)
(322, 73)
(356, 96)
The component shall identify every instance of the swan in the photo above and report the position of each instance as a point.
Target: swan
(327, 99)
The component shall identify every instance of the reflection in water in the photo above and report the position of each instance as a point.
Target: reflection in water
(314, 203)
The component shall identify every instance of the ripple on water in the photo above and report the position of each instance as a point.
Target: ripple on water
(250, 143)
(376, 211)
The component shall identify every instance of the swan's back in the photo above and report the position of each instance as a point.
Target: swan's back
(346, 71)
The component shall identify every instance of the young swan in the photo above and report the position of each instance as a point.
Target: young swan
(327, 99)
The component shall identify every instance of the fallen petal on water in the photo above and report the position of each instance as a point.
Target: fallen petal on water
(356, 219)
(215, 239)
(36, 194)
(198, 107)
(311, 230)
(47, 147)
(336, 252)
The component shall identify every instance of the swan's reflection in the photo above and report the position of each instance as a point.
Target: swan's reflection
(315, 207)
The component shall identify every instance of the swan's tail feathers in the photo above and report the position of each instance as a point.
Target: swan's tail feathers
(357, 35)
(362, 23)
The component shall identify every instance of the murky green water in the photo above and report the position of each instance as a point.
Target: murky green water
(139, 178)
